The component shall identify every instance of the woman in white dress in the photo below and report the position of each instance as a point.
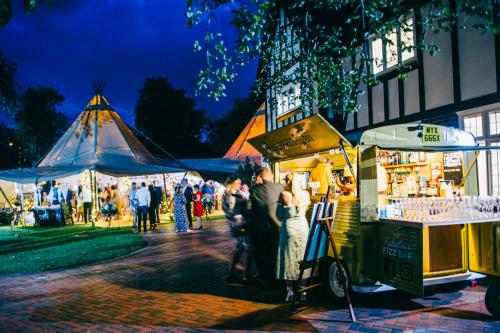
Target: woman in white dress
(292, 207)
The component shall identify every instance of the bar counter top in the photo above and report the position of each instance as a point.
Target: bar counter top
(435, 223)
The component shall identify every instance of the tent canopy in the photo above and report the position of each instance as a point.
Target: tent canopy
(219, 168)
(241, 149)
(97, 140)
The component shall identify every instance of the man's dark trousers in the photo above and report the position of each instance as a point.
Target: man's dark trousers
(142, 214)
(189, 212)
(87, 211)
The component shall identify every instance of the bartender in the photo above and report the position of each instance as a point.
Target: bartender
(322, 174)
(348, 185)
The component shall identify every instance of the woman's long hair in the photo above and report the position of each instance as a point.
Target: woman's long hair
(292, 186)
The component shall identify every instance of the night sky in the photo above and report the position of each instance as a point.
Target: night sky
(121, 41)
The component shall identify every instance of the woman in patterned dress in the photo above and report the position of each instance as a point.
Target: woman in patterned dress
(291, 211)
(180, 214)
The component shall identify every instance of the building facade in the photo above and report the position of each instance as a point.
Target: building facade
(458, 86)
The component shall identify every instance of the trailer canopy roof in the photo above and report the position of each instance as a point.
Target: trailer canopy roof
(418, 136)
(305, 137)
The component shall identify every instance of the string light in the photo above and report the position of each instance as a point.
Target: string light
(304, 146)
(316, 155)
(332, 151)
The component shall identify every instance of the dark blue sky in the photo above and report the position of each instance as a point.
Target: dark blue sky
(121, 41)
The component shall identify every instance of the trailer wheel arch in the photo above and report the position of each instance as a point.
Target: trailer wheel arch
(492, 299)
(332, 280)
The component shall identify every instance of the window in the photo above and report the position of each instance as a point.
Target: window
(391, 49)
(378, 56)
(289, 100)
(474, 124)
(398, 48)
(494, 122)
(482, 171)
(407, 40)
(495, 170)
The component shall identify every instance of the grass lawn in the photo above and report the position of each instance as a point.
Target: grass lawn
(31, 249)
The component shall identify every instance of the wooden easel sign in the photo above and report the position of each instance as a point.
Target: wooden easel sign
(319, 232)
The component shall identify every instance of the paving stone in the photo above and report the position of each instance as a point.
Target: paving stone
(177, 284)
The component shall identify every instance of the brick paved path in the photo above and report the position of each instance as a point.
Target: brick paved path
(177, 284)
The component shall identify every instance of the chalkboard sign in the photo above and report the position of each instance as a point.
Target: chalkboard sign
(67, 213)
(452, 167)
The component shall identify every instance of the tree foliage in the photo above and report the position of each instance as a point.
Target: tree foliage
(331, 37)
(168, 117)
(6, 9)
(225, 129)
(38, 124)
(8, 85)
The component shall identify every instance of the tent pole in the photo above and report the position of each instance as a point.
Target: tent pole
(165, 191)
(93, 186)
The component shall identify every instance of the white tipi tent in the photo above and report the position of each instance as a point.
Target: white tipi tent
(97, 140)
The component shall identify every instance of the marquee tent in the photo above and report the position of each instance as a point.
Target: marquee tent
(97, 140)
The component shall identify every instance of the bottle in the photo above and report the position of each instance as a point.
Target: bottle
(389, 210)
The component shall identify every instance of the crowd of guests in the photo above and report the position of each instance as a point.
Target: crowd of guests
(145, 201)
(188, 202)
(269, 225)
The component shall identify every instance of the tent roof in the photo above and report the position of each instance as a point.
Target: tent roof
(241, 149)
(97, 140)
(214, 168)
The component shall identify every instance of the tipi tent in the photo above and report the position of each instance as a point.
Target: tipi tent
(241, 149)
(97, 140)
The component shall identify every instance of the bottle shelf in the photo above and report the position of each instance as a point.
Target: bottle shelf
(409, 165)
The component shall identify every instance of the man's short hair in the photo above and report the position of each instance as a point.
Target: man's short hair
(143, 184)
(266, 173)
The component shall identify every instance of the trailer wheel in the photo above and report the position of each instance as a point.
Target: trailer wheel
(335, 283)
(492, 300)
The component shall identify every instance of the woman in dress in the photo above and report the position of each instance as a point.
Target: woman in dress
(198, 206)
(180, 214)
(152, 207)
(79, 204)
(291, 211)
(235, 206)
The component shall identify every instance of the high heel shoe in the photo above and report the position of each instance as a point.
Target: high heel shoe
(289, 295)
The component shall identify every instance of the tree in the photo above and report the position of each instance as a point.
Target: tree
(326, 34)
(38, 124)
(6, 9)
(225, 129)
(8, 85)
(168, 117)
(8, 148)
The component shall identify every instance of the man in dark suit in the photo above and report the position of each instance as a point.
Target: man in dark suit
(265, 224)
(188, 194)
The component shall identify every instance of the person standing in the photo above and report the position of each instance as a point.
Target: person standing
(188, 194)
(143, 201)
(87, 204)
(265, 224)
(152, 207)
(180, 214)
(117, 200)
(132, 204)
(79, 204)
(291, 211)
(235, 207)
(198, 206)
(159, 194)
